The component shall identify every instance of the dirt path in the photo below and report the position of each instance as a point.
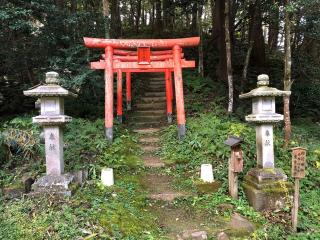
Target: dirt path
(149, 118)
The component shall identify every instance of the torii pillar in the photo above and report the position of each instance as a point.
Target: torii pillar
(148, 63)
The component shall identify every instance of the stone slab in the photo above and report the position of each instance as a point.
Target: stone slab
(267, 193)
(241, 224)
(54, 185)
(147, 130)
(264, 145)
(150, 148)
(146, 140)
(152, 161)
(54, 150)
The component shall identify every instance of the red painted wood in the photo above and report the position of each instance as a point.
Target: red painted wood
(168, 92)
(134, 58)
(128, 86)
(171, 85)
(178, 85)
(119, 93)
(134, 53)
(131, 66)
(136, 43)
(144, 55)
(108, 75)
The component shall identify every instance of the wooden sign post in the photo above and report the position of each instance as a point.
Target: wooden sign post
(298, 171)
(235, 164)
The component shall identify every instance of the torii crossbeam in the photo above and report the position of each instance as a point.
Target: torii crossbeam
(142, 55)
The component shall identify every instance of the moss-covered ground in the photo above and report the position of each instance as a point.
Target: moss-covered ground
(124, 211)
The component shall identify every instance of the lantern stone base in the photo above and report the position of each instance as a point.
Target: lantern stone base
(267, 189)
(61, 185)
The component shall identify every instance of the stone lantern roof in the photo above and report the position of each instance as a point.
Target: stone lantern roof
(50, 89)
(263, 89)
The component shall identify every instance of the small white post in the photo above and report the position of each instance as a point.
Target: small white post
(107, 178)
(206, 173)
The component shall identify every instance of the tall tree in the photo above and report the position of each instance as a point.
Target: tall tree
(218, 35)
(200, 48)
(158, 17)
(168, 9)
(287, 73)
(256, 34)
(228, 54)
(273, 26)
(115, 24)
(106, 16)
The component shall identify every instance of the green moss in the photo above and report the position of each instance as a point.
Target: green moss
(205, 187)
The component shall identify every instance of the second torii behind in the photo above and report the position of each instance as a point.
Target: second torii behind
(144, 56)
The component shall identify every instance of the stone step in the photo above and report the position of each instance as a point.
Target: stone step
(149, 106)
(160, 188)
(156, 78)
(155, 88)
(156, 83)
(152, 161)
(147, 124)
(166, 196)
(155, 94)
(149, 148)
(148, 118)
(151, 90)
(148, 113)
(153, 99)
(147, 140)
(146, 131)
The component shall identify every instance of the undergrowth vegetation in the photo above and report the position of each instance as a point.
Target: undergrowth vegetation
(122, 211)
(95, 211)
(208, 129)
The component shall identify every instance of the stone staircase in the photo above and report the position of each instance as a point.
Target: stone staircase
(149, 117)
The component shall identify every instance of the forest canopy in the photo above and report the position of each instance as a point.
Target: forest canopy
(37, 36)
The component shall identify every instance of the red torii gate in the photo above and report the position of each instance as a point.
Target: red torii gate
(166, 56)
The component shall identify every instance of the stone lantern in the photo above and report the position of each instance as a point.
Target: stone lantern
(265, 186)
(52, 119)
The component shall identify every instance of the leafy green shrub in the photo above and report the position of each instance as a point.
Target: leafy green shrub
(20, 141)
(204, 142)
(87, 147)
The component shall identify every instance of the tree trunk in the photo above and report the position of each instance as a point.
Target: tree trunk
(256, 34)
(152, 17)
(273, 28)
(212, 6)
(115, 29)
(59, 3)
(167, 14)
(246, 66)
(218, 34)
(73, 6)
(287, 75)
(200, 63)
(143, 16)
(228, 54)
(106, 16)
(194, 19)
(297, 34)
(158, 17)
(187, 18)
(138, 15)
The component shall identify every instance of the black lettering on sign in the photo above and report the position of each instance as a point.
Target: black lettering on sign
(267, 143)
(52, 147)
(51, 136)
